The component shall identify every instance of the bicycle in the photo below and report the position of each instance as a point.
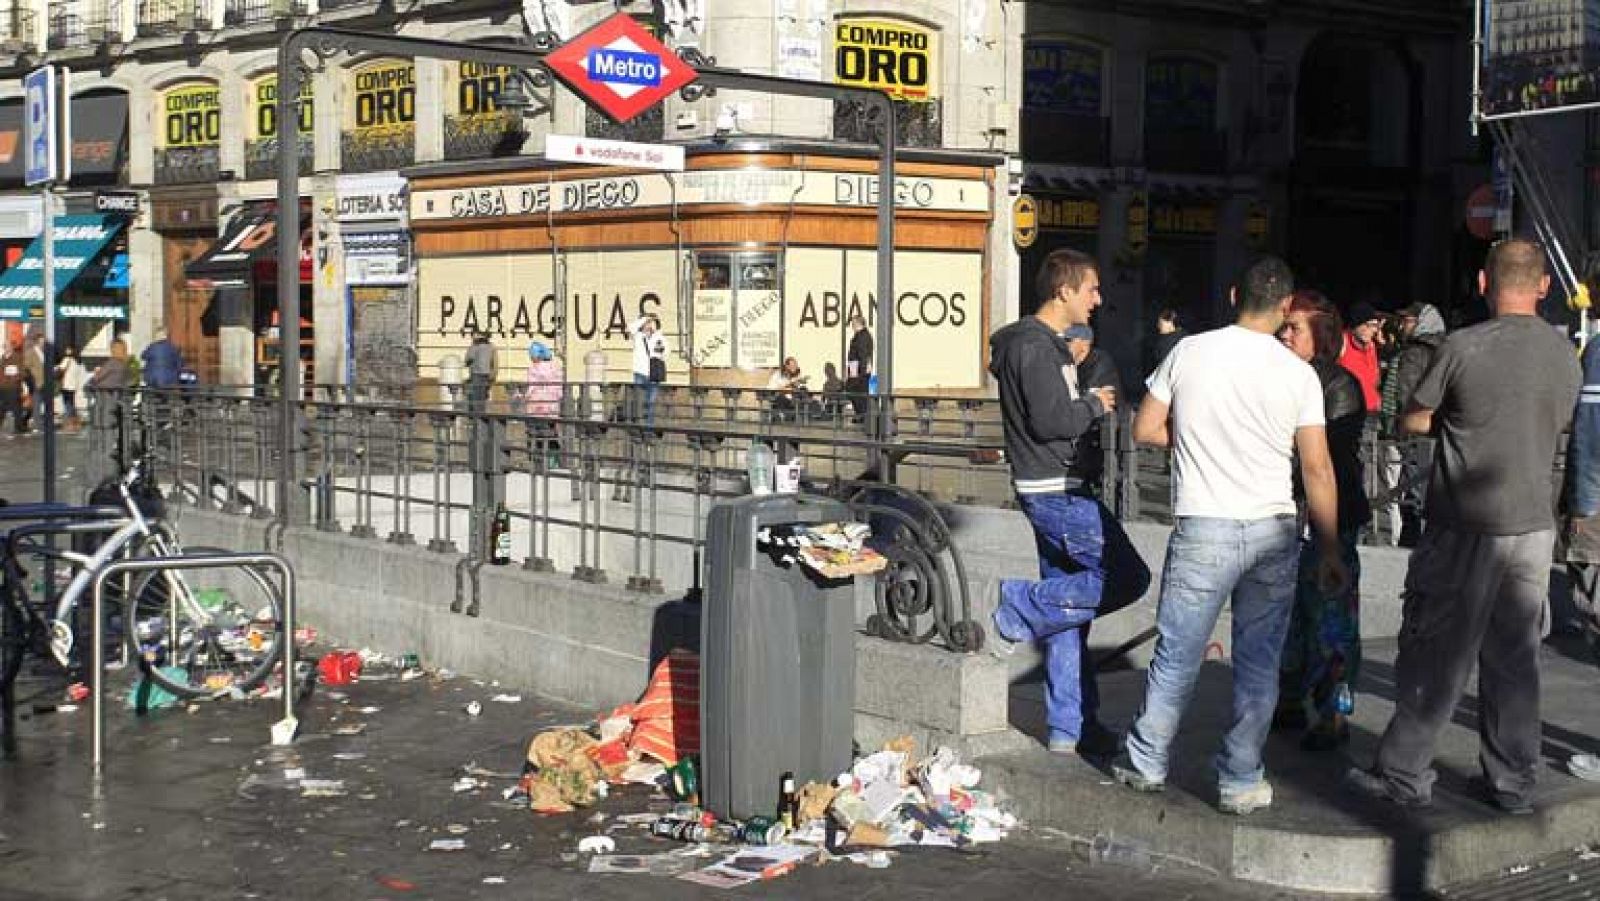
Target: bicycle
(192, 642)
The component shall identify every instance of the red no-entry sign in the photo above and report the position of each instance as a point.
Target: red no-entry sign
(619, 68)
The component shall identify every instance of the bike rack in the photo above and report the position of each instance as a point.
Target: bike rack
(283, 732)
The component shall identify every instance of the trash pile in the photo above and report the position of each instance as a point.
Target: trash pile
(835, 550)
(887, 801)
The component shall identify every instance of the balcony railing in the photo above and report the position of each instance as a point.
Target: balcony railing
(648, 126)
(485, 136)
(157, 18)
(251, 12)
(261, 158)
(379, 151)
(187, 165)
(917, 124)
(343, 4)
(16, 28)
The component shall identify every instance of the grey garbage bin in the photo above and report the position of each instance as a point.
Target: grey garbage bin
(777, 665)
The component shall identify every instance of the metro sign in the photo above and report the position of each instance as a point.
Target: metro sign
(619, 68)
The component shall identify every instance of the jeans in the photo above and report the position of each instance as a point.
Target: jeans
(646, 397)
(1087, 567)
(1208, 560)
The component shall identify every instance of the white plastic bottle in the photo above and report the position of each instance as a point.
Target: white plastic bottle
(758, 465)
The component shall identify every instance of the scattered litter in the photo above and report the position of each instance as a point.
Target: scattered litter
(494, 880)
(147, 695)
(368, 710)
(348, 755)
(339, 667)
(294, 774)
(457, 829)
(507, 699)
(350, 729)
(1519, 869)
(466, 784)
(412, 675)
(322, 788)
(1587, 853)
(220, 739)
(448, 844)
(397, 884)
(597, 844)
(66, 708)
(474, 708)
(1585, 767)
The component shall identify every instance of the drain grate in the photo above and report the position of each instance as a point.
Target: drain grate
(1573, 876)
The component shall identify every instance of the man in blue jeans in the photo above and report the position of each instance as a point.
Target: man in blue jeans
(1085, 558)
(1234, 405)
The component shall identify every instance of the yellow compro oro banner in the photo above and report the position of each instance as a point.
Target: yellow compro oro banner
(938, 338)
(894, 56)
(261, 97)
(512, 298)
(189, 115)
(382, 98)
(472, 90)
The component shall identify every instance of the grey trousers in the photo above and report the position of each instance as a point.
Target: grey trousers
(1470, 599)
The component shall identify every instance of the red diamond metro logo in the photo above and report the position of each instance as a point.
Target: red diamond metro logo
(619, 68)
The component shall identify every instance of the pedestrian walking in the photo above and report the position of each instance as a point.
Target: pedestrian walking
(34, 359)
(1085, 558)
(1497, 397)
(482, 365)
(858, 367)
(13, 388)
(1322, 654)
(69, 379)
(542, 398)
(1168, 334)
(1360, 353)
(162, 362)
(1235, 406)
(1405, 459)
(649, 365)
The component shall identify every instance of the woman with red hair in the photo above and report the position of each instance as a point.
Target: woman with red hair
(1322, 653)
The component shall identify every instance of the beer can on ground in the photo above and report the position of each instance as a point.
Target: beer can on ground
(761, 831)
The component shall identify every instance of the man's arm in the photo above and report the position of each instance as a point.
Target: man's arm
(1322, 504)
(1150, 425)
(1418, 420)
(1052, 414)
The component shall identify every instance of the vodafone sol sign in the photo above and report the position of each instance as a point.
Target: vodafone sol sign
(626, 154)
(619, 68)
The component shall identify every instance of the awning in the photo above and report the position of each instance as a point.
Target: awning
(247, 250)
(78, 240)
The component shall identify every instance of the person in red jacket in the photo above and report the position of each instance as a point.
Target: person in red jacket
(1360, 355)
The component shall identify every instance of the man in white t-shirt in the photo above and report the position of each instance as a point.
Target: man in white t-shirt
(1234, 405)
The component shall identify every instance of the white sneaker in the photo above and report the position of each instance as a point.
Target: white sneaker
(1257, 797)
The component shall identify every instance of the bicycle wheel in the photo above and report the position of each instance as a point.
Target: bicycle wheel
(201, 633)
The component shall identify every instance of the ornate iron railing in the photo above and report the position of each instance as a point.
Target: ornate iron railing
(261, 158)
(478, 137)
(187, 165)
(251, 12)
(157, 18)
(373, 152)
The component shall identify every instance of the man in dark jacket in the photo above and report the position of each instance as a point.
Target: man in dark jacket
(1095, 370)
(858, 366)
(1084, 556)
(1406, 461)
(162, 362)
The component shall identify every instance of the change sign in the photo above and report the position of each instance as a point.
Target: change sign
(897, 58)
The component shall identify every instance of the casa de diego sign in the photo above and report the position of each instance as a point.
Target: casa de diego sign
(619, 68)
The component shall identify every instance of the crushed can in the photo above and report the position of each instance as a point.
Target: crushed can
(685, 781)
(760, 831)
(680, 830)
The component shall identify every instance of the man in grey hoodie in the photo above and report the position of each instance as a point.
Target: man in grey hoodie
(1085, 558)
(1406, 461)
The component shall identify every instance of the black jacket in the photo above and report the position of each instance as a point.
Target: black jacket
(1160, 346)
(1042, 421)
(860, 353)
(1097, 370)
(1345, 409)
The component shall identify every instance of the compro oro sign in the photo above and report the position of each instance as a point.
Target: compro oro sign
(383, 99)
(190, 115)
(262, 95)
(898, 58)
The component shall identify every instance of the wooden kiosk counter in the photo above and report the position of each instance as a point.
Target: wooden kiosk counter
(747, 258)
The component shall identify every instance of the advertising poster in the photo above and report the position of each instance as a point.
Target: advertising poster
(889, 55)
(1539, 57)
(190, 116)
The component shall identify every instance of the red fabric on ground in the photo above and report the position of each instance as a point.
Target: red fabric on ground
(666, 718)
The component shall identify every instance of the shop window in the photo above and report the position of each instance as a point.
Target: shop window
(1181, 115)
(1063, 103)
(736, 318)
